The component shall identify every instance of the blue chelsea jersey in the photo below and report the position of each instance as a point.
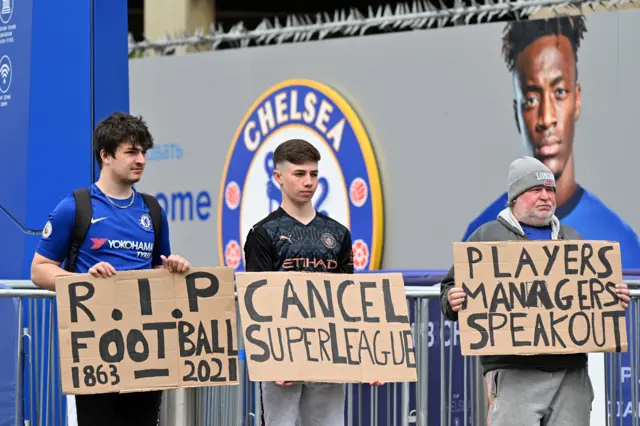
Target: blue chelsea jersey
(588, 215)
(123, 237)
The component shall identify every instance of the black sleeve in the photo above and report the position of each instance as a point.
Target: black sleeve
(570, 233)
(345, 258)
(258, 251)
(448, 282)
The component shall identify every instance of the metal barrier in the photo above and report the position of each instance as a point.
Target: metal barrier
(619, 408)
(39, 399)
(435, 399)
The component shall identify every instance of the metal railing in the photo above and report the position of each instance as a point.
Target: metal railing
(449, 390)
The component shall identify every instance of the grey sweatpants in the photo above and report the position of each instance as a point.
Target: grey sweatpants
(535, 398)
(310, 404)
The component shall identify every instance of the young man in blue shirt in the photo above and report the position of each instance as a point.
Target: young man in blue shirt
(542, 56)
(120, 237)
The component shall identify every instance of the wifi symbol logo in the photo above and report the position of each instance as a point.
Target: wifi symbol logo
(5, 74)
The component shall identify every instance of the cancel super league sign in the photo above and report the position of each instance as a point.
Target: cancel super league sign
(540, 297)
(322, 327)
(144, 330)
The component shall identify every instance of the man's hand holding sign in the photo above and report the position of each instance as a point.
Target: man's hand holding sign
(535, 297)
(173, 263)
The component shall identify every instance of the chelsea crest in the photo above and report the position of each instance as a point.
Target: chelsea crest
(349, 188)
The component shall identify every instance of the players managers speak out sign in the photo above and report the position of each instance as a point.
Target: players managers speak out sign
(540, 297)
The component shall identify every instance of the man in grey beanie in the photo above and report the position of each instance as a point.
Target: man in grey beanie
(539, 389)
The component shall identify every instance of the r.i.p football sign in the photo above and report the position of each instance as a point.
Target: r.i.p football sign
(145, 330)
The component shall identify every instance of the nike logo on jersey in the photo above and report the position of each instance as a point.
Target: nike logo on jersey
(97, 220)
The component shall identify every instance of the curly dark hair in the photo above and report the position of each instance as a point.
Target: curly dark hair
(520, 34)
(119, 128)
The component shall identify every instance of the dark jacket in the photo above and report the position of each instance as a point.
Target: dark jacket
(507, 228)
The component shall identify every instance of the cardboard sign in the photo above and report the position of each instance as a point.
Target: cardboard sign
(321, 327)
(145, 330)
(540, 297)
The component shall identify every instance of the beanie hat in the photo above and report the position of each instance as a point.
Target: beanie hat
(526, 173)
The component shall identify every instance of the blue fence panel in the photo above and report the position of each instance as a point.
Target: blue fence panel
(619, 372)
(44, 403)
(9, 359)
(439, 369)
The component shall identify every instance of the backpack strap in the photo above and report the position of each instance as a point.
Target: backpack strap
(84, 212)
(155, 211)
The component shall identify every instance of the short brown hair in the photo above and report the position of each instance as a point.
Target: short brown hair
(296, 151)
(120, 127)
